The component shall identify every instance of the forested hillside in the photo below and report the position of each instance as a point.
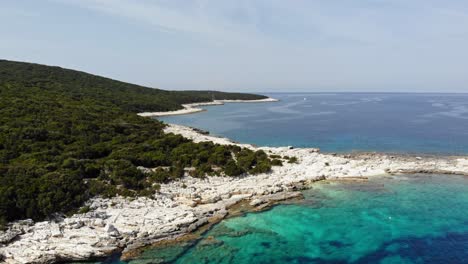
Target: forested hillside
(79, 85)
(66, 136)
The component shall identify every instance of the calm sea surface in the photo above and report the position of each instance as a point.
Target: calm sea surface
(344, 122)
(399, 219)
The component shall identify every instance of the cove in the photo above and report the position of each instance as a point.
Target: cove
(388, 219)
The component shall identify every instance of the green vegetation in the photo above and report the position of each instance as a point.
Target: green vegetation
(66, 136)
(276, 162)
(80, 86)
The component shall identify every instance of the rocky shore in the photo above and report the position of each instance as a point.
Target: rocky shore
(195, 107)
(183, 206)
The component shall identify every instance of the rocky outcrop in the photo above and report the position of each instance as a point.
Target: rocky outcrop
(183, 206)
(266, 201)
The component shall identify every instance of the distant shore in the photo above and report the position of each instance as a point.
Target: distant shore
(182, 207)
(194, 107)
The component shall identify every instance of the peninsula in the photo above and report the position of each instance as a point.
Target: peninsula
(195, 107)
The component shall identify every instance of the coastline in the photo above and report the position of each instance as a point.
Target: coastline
(181, 207)
(195, 107)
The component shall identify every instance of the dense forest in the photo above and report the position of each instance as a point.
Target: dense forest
(66, 136)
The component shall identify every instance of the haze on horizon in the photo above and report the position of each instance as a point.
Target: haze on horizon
(248, 45)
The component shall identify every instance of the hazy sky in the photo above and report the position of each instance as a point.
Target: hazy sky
(248, 45)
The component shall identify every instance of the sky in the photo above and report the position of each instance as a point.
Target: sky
(248, 45)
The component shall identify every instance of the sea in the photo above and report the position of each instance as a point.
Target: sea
(344, 122)
(387, 219)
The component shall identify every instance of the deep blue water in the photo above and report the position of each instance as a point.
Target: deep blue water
(344, 122)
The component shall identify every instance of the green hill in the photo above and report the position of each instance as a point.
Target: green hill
(66, 136)
(80, 85)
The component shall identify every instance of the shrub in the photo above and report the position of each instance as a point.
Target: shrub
(3, 223)
(202, 171)
(124, 172)
(160, 175)
(232, 169)
(84, 209)
(261, 167)
(276, 162)
(157, 187)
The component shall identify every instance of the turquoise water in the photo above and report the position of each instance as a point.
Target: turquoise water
(344, 122)
(401, 219)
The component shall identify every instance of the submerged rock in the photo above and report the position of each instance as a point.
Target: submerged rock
(210, 241)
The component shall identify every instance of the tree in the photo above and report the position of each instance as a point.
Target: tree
(232, 169)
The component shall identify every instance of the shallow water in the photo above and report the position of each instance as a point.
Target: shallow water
(401, 219)
(342, 122)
